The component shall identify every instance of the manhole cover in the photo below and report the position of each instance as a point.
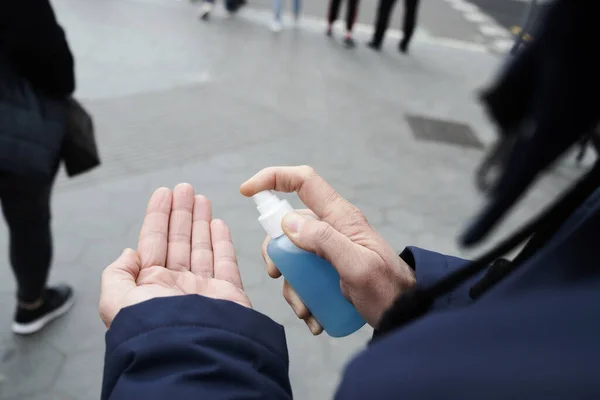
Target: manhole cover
(437, 130)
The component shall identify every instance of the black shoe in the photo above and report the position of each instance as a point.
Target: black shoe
(403, 47)
(204, 11)
(349, 42)
(329, 32)
(56, 302)
(236, 7)
(374, 45)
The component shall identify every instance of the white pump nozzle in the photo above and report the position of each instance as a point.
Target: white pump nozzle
(271, 210)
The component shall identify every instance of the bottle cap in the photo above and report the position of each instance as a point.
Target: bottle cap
(272, 210)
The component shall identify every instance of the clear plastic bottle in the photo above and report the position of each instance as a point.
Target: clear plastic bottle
(314, 279)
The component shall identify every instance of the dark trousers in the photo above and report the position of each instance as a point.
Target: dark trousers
(351, 12)
(26, 208)
(384, 10)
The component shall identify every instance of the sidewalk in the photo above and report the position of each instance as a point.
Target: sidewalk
(176, 100)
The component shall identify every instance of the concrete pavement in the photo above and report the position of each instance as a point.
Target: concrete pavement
(177, 100)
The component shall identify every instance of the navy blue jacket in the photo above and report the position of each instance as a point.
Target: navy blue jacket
(534, 335)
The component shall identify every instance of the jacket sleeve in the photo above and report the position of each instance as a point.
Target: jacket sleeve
(37, 46)
(188, 347)
(430, 266)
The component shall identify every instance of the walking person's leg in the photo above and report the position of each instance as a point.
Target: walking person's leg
(408, 26)
(384, 9)
(351, 15)
(297, 9)
(332, 14)
(26, 208)
(276, 24)
(205, 9)
(233, 6)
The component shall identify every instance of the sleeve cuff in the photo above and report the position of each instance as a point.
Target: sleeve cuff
(196, 311)
(430, 267)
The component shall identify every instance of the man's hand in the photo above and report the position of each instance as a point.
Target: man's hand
(181, 250)
(372, 274)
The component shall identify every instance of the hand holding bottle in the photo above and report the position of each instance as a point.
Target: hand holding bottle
(372, 274)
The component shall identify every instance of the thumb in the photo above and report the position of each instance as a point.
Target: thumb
(320, 238)
(125, 268)
(117, 280)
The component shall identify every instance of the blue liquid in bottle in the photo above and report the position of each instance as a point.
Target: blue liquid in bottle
(314, 279)
(318, 284)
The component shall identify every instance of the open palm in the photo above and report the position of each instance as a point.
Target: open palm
(181, 250)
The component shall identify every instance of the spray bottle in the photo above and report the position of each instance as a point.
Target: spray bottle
(314, 279)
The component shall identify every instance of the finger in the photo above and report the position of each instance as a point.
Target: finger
(307, 213)
(322, 239)
(180, 228)
(126, 268)
(272, 270)
(117, 279)
(290, 295)
(152, 244)
(313, 325)
(202, 252)
(313, 190)
(226, 267)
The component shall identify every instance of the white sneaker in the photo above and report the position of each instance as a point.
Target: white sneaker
(204, 12)
(276, 26)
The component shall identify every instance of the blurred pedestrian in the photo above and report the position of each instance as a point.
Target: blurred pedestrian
(36, 78)
(382, 21)
(277, 25)
(351, 15)
(232, 6)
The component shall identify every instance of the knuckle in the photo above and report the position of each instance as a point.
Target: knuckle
(323, 232)
(158, 235)
(354, 216)
(308, 213)
(230, 257)
(272, 271)
(307, 171)
(302, 312)
(287, 292)
(178, 237)
(330, 203)
(202, 246)
(294, 301)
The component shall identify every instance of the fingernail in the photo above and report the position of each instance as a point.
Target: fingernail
(292, 222)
